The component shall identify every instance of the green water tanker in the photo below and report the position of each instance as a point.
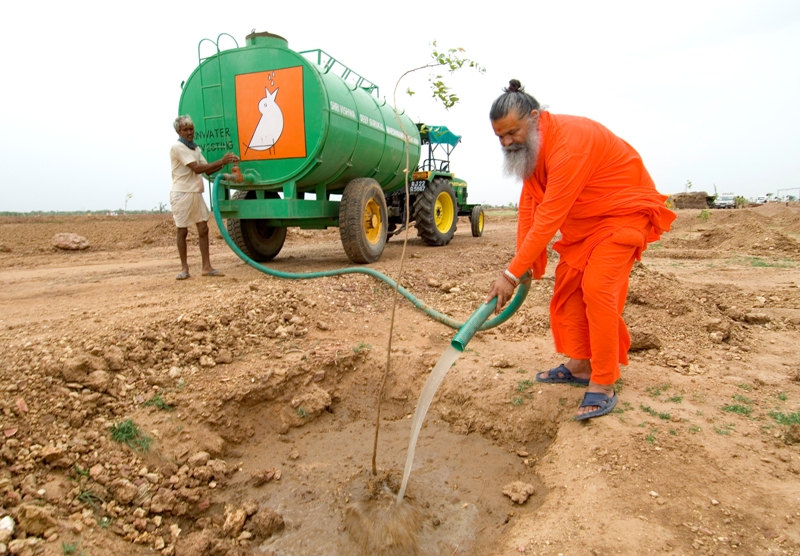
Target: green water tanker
(318, 147)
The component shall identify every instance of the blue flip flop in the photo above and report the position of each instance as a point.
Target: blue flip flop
(560, 374)
(597, 399)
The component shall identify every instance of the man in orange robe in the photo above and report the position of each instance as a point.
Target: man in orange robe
(582, 180)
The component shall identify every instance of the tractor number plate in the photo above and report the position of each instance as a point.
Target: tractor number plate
(417, 186)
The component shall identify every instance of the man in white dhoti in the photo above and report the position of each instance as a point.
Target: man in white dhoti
(186, 197)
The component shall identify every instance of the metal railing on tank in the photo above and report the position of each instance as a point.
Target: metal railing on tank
(330, 64)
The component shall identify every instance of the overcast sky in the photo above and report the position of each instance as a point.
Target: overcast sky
(707, 91)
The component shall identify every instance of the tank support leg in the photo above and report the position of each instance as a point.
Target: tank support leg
(290, 190)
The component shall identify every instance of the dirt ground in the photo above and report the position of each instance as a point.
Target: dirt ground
(236, 415)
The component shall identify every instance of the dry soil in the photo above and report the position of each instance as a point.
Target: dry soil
(244, 406)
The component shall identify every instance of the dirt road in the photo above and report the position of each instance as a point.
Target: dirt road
(235, 415)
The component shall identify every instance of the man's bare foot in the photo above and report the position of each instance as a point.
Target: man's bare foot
(597, 388)
(580, 368)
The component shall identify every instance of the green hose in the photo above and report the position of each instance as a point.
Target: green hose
(473, 324)
(477, 321)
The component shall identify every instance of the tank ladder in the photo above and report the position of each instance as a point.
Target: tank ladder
(211, 84)
(211, 89)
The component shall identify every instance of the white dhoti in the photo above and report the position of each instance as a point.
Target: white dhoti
(188, 208)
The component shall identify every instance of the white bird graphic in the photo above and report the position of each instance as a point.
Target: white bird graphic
(270, 126)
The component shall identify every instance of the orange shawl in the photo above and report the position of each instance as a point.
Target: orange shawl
(588, 183)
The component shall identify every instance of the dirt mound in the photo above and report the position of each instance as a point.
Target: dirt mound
(698, 220)
(692, 200)
(740, 233)
(160, 234)
(105, 233)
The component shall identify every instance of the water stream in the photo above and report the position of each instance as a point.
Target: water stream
(426, 396)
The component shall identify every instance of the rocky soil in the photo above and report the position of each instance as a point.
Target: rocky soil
(235, 415)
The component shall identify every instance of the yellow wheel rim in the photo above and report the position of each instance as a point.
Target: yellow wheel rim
(480, 222)
(373, 225)
(443, 212)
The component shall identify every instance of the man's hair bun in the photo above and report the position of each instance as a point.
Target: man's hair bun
(514, 86)
(520, 103)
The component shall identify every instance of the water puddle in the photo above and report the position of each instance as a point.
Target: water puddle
(448, 499)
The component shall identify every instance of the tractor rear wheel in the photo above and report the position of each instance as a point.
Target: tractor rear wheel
(436, 213)
(476, 220)
(258, 241)
(363, 220)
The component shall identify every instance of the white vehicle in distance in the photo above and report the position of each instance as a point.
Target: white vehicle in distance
(725, 201)
(761, 200)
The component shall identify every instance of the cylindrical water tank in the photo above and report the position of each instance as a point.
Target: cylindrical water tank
(294, 118)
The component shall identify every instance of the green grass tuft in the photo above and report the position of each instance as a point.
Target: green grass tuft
(786, 418)
(655, 391)
(80, 471)
(724, 431)
(761, 263)
(360, 347)
(90, 498)
(737, 408)
(516, 401)
(159, 403)
(650, 411)
(523, 385)
(128, 433)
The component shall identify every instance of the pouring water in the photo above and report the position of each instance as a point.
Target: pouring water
(446, 361)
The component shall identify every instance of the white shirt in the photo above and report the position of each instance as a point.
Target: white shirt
(183, 178)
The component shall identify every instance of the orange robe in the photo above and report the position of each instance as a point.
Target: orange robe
(593, 187)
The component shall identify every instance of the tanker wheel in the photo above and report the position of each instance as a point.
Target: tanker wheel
(476, 220)
(363, 220)
(258, 241)
(435, 213)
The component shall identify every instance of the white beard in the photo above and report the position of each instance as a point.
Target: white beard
(520, 158)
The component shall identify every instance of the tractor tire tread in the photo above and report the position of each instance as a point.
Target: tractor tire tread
(424, 207)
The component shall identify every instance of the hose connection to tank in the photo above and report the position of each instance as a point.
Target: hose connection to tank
(479, 320)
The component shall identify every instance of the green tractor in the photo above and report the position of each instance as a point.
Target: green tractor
(437, 197)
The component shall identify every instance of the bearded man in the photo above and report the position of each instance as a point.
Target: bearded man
(582, 180)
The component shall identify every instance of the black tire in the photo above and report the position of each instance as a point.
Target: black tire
(363, 220)
(436, 213)
(476, 220)
(258, 241)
